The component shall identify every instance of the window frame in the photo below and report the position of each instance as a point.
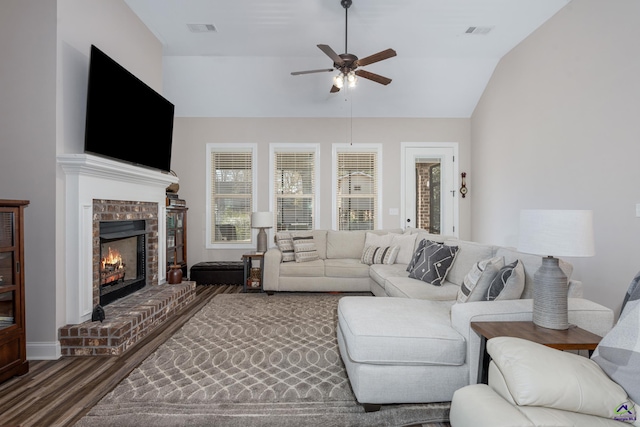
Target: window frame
(229, 148)
(356, 148)
(275, 148)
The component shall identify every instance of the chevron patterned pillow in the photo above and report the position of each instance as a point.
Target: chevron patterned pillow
(434, 263)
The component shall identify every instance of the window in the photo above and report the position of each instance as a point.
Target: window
(293, 186)
(356, 186)
(230, 199)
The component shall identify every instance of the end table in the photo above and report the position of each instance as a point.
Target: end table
(247, 261)
(574, 338)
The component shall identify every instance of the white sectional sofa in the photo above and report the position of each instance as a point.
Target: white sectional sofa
(416, 346)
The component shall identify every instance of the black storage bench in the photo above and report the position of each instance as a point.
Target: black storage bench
(217, 273)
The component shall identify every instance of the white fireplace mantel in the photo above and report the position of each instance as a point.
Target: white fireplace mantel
(87, 178)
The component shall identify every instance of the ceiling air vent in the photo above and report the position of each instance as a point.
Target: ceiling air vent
(202, 28)
(478, 30)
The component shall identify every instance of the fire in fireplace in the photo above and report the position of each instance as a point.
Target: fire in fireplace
(122, 259)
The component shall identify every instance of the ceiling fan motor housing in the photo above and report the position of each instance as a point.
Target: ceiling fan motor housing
(345, 3)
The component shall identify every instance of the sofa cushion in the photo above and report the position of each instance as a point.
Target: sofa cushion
(399, 331)
(347, 267)
(345, 244)
(434, 263)
(285, 244)
(380, 272)
(302, 269)
(406, 243)
(478, 279)
(468, 254)
(380, 254)
(508, 283)
(405, 287)
(376, 239)
(305, 249)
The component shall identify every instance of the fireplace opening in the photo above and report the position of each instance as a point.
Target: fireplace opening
(122, 259)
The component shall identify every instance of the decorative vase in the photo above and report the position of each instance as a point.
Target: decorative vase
(175, 275)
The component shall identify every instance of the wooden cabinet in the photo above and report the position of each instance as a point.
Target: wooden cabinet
(177, 238)
(13, 351)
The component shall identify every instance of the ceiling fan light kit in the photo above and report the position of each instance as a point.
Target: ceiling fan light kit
(347, 63)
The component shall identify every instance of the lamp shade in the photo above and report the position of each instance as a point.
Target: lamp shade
(566, 233)
(261, 220)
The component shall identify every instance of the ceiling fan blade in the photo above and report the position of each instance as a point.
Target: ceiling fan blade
(376, 57)
(331, 54)
(374, 77)
(334, 89)
(297, 73)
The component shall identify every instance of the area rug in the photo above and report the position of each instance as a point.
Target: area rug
(250, 360)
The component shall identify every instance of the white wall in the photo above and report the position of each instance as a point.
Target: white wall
(557, 128)
(192, 134)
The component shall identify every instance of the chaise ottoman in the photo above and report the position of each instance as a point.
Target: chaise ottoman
(400, 350)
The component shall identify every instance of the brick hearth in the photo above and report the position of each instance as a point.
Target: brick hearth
(127, 321)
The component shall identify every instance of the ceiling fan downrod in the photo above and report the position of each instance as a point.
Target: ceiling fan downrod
(346, 4)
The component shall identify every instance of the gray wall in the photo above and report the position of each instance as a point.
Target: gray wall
(557, 128)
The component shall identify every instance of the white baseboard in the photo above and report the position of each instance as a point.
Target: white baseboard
(43, 350)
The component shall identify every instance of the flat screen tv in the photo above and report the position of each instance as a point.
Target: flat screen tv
(126, 119)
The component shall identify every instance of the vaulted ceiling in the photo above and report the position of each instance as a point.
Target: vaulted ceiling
(234, 58)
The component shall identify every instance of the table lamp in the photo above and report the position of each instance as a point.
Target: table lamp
(551, 233)
(262, 220)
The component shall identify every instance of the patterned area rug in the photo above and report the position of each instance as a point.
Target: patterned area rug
(250, 360)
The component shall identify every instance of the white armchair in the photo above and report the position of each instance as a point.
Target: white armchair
(533, 385)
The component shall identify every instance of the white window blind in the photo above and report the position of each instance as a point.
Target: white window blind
(357, 190)
(295, 188)
(231, 196)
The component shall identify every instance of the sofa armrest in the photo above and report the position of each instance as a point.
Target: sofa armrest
(531, 374)
(588, 315)
(271, 274)
(478, 405)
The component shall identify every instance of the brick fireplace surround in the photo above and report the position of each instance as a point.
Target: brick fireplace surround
(99, 189)
(133, 317)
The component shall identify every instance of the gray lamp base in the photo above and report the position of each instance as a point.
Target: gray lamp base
(550, 296)
(262, 241)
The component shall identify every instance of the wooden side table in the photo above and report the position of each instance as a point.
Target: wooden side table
(247, 261)
(574, 338)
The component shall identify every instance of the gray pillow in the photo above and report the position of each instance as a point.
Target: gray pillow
(478, 279)
(618, 354)
(434, 263)
(417, 254)
(508, 283)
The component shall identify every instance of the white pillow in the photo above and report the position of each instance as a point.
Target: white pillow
(373, 239)
(508, 284)
(304, 248)
(285, 244)
(406, 243)
(380, 255)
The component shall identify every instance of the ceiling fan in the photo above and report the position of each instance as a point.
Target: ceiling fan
(348, 63)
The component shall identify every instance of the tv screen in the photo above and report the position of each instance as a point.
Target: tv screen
(126, 119)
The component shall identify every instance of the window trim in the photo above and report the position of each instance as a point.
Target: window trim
(354, 148)
(229, 148)
(287, 147)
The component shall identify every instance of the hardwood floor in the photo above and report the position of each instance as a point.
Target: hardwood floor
(60, 392)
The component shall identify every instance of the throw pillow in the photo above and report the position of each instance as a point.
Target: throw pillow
(476, 283)
(434, 263)
(417, 254)
(285, 244)
(304, 248)
(618, 354)
(373, 239)
(380, 255)
(508, 283)
(405, 242)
